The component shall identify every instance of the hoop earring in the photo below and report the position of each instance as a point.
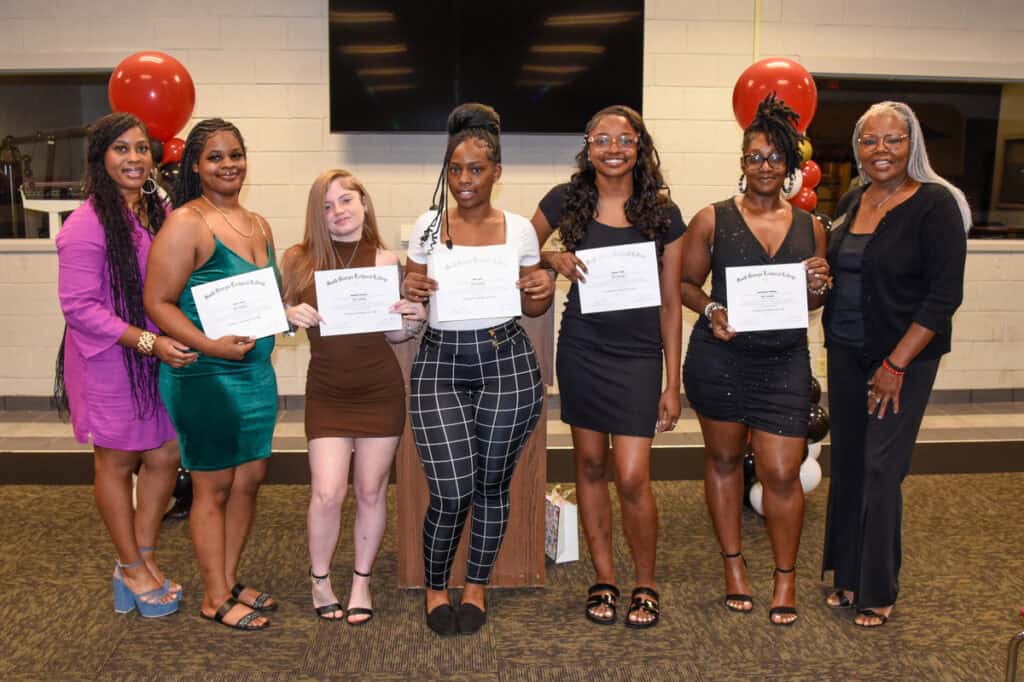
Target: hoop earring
(151, 182)
(787, 184)
(742, 184)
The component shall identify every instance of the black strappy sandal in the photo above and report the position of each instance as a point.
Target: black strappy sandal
(326, 610)
(871, 613)
(359, 610)
(644, 599)
(743, 598)
(259, 603)
(602, 594)
(244, 623)
(782, 610)
(841, 602)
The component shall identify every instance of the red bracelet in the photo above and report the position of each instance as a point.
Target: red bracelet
(893, 369)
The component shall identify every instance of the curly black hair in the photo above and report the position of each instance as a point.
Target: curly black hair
(777, 122)
(647, 208)
(122, 261)
(466, 121)
(187, 186)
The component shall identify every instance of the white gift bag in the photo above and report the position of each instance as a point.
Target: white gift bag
(561, 527)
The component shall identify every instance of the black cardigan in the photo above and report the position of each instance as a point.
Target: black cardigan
(913, 269)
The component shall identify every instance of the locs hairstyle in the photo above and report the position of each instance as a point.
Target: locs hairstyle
(316, 252)
(647, 208)
(188, 186)
(122, 261)
(777, 122)
(466, 121)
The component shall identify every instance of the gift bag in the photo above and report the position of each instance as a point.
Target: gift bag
(561, 533)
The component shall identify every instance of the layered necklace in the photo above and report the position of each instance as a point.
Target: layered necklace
(252, 226)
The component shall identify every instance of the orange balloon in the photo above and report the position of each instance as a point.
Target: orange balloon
(156, 88)
(791, 83)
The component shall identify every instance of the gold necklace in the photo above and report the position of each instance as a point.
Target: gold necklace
(892, 193)
(352, 258)
(252, 227)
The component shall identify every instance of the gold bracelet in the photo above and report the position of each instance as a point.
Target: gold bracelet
(144, 345)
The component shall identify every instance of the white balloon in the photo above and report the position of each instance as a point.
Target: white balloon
(756, 493)
(813, 450)
(797, 178)
(810, 474)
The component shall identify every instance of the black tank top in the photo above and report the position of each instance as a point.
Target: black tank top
(735, 245)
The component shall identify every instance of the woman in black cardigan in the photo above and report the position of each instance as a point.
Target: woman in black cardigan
(897, 253)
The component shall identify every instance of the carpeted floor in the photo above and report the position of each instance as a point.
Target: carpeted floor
(962, 586)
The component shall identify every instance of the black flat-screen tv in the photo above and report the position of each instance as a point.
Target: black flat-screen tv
(545, 65)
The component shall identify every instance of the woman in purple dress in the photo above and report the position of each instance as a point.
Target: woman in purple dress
(107, 364)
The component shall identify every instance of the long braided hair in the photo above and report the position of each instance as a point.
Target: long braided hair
(777, 122)
(122, 261)
(647, 208)
(188, 187)
(466, 121)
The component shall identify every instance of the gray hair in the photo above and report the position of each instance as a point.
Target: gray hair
(918, 166)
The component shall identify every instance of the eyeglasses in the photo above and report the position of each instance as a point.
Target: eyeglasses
(603, 141)
(775, 160)
(868, 142)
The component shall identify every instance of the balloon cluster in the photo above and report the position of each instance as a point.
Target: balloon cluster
(792, 84)
(810, 470)
(157, 89)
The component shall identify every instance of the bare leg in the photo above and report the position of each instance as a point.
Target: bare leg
(778, 469)
(370, 483)
(241, 505)
(591, 452)
(329, 460)
(632, 457)
(207, 519)
(724, 446)
(156, 483)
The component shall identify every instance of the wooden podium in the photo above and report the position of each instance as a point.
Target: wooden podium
(521, 561)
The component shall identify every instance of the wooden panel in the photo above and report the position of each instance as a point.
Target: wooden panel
(521, 561)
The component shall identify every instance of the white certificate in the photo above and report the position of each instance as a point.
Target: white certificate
(357, 300)
(767, 297)
(474, 282)
(244, 305)
(620, 278)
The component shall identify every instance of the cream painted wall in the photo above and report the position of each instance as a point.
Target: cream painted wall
(263, 64)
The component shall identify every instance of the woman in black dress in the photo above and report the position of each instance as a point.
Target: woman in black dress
(898, 247)
(609, 364)
(757, 384)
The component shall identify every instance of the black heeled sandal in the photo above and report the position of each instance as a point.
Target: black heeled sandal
(326, 610)
(871, 613)
(359, 610)
(782, 610)
(602, 594)
(644, 599)
(841, 600)
(742, 598)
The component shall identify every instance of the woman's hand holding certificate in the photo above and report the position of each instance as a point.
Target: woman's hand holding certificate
(767, 297)
(247, 305)
(475, 282)
(619, 278)
(357, 300)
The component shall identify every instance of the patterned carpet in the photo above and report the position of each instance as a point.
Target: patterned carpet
(962, 586)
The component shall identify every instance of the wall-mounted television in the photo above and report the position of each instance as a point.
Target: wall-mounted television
(545, 65)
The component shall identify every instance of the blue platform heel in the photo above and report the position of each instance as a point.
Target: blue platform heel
(125, 601)
(167, 581)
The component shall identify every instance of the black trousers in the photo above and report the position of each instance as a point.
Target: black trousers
(474, 400)
(870, 459)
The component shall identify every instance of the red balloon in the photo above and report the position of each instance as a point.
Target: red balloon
(173, 149)
(156, 88)
(810, 170)
(805, 199)
(787, 79)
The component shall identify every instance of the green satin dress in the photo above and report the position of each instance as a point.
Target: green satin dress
(224, 411)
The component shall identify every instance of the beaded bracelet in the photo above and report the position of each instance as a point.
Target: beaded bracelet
(892, 369)
(712, 307)
(823, 289)
(144, 345)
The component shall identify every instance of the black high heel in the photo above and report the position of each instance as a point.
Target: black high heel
(782, 610)
(359, 610)
(743, 598)
(326, 610)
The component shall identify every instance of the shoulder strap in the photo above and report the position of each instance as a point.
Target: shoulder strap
(205, 221)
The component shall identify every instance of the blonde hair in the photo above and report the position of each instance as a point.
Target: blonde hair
(316, 250)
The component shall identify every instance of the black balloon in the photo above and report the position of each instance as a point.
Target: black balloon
(749, 476)
(826, 221)
(182, 496)
(817, 427)
(815, 391)
(156, 148)
(169, 173)
(183, 484)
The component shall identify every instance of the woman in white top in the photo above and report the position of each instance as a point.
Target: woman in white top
(476, 391)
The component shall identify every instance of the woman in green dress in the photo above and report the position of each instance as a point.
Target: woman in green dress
(225, 404)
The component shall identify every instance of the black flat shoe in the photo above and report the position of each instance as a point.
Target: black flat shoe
(841, 600)
(870, 613)
(442, 620)
(470, 618)
(645, 600)
(602, 594)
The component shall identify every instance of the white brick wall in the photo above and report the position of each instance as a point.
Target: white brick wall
(263, 64)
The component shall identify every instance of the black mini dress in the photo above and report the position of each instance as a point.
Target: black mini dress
(761, 379)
